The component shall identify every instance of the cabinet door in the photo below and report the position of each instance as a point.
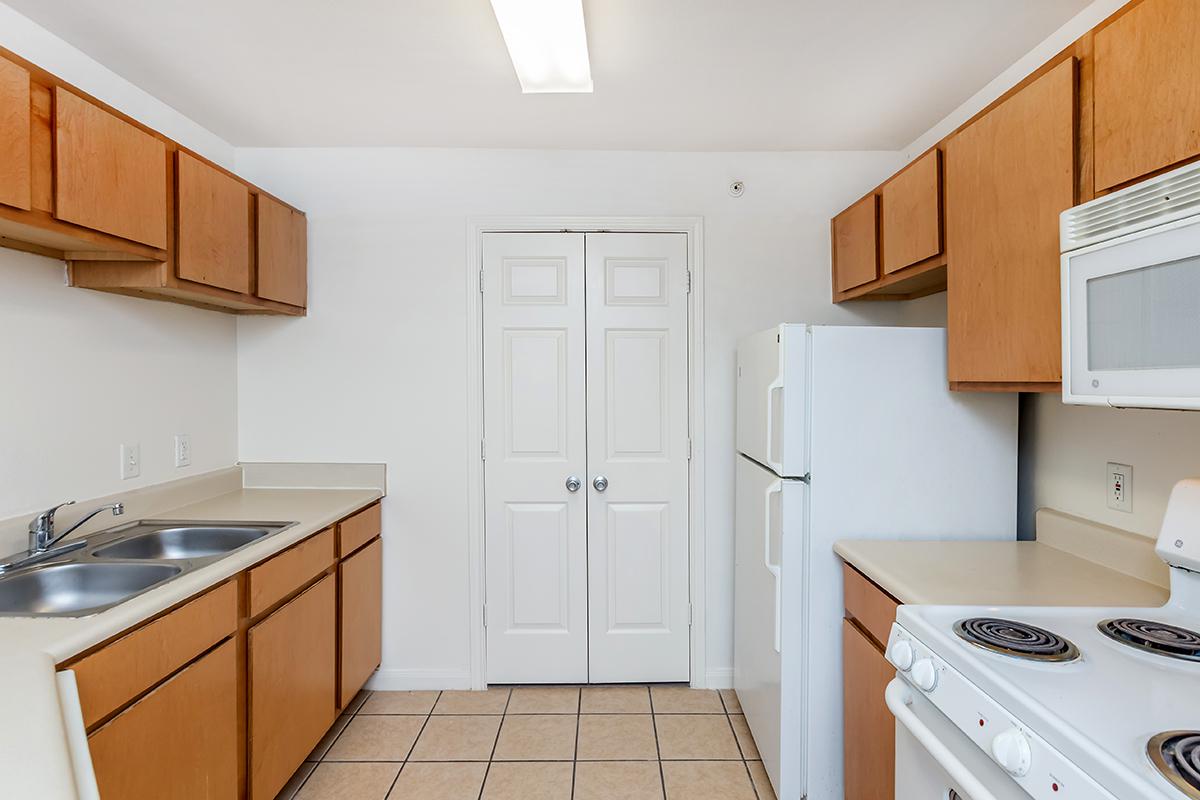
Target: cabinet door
(109, 175)
(179, 741)
(15, 147)
(1147, 90)
(361, 583)
(282, 253)
(855, 245)
(870, 729)
(911, 210)
(214, 227)
(1008, 177)
(292, 681)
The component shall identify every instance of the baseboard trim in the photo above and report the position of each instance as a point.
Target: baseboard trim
(403, 680)
(721, 678)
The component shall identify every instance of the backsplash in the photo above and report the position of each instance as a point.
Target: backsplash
(1065, 449)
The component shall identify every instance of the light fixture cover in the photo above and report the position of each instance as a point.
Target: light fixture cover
(547, 43)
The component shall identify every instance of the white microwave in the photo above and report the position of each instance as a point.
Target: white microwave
(1131, 295)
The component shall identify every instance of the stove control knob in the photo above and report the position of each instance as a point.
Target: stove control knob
(902, 655)
(925, 675)
(1011, 750)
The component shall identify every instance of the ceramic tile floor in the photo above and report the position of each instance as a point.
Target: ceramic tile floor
(537, 743)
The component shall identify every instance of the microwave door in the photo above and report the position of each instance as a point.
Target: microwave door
(1131, 320)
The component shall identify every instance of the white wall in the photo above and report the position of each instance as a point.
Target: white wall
(34, 43)
(86, 371)
(376, 372)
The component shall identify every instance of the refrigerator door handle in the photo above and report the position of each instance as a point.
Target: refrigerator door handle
(773, 389)
(775, 488)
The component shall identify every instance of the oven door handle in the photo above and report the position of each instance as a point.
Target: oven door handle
(899, 700)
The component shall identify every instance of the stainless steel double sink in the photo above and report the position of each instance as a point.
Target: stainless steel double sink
(120, 563)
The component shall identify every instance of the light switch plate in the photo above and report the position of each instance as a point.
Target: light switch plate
(131, 461)
(183, 450)
(1119, 479)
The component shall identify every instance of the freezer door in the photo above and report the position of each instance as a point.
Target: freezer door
(772, 391)
(767, 620)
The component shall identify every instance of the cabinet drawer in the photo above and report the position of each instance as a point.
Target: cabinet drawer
(108, 175)
(180, 741)
(112, 676)
(359, 529)
(16, 151)
(360, 581)
(287, 572)
(873, 608)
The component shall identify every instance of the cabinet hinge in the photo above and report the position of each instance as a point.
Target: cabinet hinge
(483, 449)
(691, 614)
(689, 449)
(689, 281)
(485, 615)
(481, 281)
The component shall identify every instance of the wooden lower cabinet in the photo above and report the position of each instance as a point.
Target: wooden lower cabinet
(361, 585)
(292, 679)
(179, 741)
(870, 729)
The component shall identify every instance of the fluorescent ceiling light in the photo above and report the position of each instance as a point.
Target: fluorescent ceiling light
(547, 42)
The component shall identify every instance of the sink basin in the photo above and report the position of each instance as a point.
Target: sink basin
(75, 588)
(183, 542)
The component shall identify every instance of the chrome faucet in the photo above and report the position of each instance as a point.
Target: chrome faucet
(41, 528)
(42, 536)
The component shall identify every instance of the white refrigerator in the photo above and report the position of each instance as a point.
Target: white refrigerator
(843, 433)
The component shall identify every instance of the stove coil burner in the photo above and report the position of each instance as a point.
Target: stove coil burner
(1154, 637)
(1176, 754)
(1016, 639)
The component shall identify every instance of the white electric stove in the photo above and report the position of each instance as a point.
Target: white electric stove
(1080, 703)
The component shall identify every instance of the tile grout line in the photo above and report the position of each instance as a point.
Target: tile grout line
(578, 718)
(321, 760)
(413, 746)
(738, 742)
(495, 742)
(662, 778)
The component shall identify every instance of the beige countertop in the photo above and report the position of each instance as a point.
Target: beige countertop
(1002, 573)
(34, 751)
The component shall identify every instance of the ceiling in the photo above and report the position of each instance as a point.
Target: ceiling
(669, 74)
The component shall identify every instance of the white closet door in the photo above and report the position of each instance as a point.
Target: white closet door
(637, 367)
(534, 433)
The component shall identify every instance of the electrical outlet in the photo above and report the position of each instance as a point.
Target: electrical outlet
(131, 461)
(1119, 478)
(183, 449)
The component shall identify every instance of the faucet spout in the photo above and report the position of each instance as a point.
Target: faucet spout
(41, 529)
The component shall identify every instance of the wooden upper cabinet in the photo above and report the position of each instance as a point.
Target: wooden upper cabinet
(109, 175)
(1147, 90)
(855, 245)
(911, 212)
(282, 253)
(1008, 177)
(213, 236)
(16, 154)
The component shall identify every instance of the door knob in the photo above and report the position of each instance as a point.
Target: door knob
(600, 482)
(573, 484)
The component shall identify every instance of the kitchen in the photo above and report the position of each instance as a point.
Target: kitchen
(340, 387)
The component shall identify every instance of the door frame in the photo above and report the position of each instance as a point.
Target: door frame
(693, 227)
